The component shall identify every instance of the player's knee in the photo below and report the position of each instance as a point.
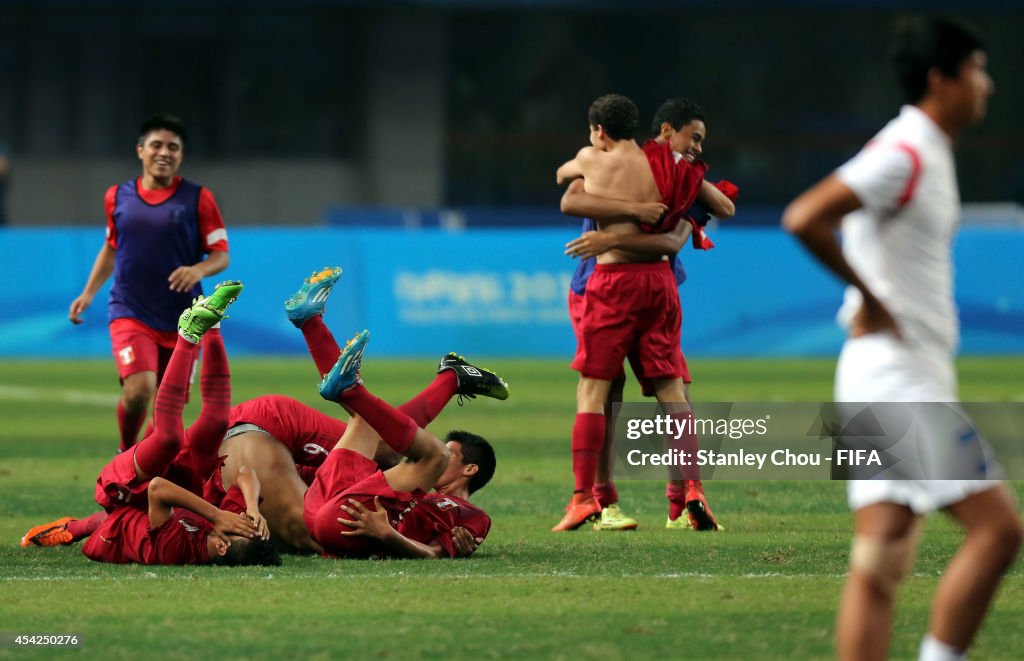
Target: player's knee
(439, 456)
(169, 442)
(1002, 540)
(327, 532)
(591, 395)
(884, 562)
(136, 397)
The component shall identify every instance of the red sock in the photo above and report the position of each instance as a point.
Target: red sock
(676, 500)
(321, 343)
(605, 494)
(82, 528)
(587, 441)
(427, 405)
(129, 425)
(394, 427)
(155, 452)
(685, 442)
(207, 431)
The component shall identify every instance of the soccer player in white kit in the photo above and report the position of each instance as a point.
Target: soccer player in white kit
(898, 205)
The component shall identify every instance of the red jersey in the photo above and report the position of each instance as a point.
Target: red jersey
(212, 233)
(153, 233)
(431, 518)
(126, 536)
(309, 434)
(678, 182)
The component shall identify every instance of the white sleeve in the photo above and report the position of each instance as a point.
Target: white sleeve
(881, 176)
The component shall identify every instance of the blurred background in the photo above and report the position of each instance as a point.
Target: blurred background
(415, 144)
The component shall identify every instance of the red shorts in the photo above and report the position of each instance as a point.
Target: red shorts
(191, 469)
(118, 485)
(307, 433)
(576, 317)
(631, 310)
(347, 474)
(139, 348)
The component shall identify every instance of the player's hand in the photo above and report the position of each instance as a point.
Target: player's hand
(260, 523)
(364, 522)
(464, 542)
(184, 278)
(649, 213)
(78, 306)
(228, 523)
(590, 244)
(873, 317)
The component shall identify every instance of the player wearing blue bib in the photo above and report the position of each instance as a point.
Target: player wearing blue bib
(164, 234)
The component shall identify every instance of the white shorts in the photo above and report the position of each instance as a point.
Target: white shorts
(932, 439)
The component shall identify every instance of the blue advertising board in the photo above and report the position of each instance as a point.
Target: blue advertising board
(495, 292)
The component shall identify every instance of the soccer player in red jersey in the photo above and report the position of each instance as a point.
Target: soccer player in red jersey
(680, 123)
(173, 525)
(159, 227)
(632, 304)
(286, 441)
(353, 509)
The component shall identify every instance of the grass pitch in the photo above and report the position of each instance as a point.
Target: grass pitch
(766, 588)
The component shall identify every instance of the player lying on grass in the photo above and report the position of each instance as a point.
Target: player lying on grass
(136, 529)
(286, 441)
(353, 508)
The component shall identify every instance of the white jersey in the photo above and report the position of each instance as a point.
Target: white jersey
(900, 242)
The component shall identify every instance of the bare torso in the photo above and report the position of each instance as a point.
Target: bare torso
(622, 173)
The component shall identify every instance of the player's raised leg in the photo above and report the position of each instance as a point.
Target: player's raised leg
(154, 453)
(472, 380)
(305, 310)
(376, 418)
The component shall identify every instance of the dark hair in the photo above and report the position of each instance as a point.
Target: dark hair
(475, 450)
(245, 551)
(921, 43)
(678, 113)
(617, 114)
(163, 122)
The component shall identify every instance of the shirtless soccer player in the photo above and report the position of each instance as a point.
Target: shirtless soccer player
(898, 205)
(631, 307)
(681, 124)
(151, 520)
(286, 441)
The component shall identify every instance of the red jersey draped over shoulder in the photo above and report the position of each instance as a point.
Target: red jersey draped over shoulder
(678, 182)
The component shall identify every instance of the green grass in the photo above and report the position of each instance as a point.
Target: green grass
(766, 588)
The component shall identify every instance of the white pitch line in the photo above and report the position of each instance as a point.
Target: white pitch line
(30, 394)
(148, 576)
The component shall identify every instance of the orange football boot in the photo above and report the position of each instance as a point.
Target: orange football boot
(581, 508)
(54, 533)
